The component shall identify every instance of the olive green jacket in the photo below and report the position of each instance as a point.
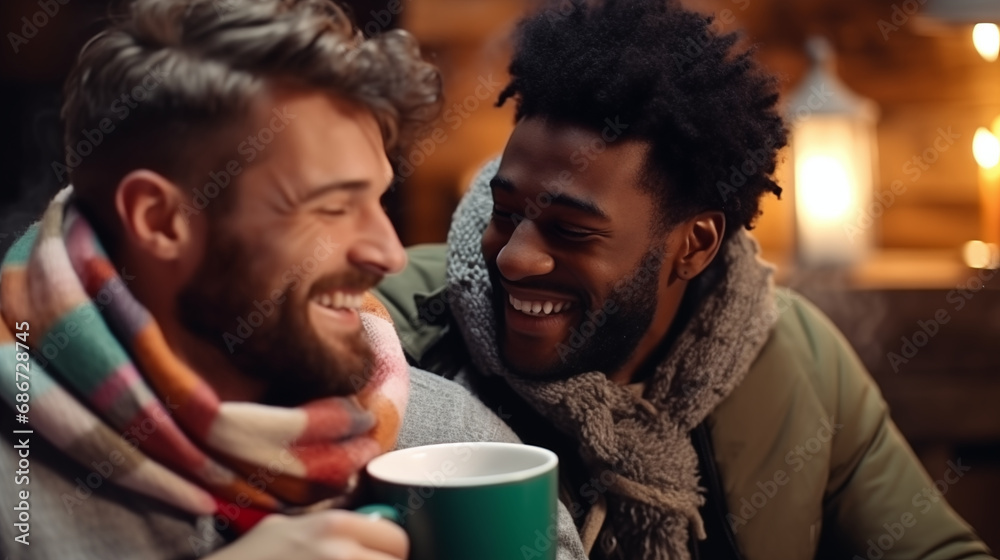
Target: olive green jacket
(810, 462)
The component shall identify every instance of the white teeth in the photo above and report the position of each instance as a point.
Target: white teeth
(340, 300)
(538, 307)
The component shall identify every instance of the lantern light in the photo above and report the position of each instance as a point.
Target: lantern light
(834, 156)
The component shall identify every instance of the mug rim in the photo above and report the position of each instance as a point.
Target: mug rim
(550, 462)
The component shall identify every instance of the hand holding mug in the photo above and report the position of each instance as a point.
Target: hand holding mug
(324, 535)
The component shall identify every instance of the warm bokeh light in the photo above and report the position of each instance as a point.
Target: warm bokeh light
(825, 189)
(978, 254)
(986, 37)
(986, 148)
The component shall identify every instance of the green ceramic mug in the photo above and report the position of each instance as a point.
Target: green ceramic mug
(465, 501)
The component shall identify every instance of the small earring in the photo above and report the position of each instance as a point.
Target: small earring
(682, 273)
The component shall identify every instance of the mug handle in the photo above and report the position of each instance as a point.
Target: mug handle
(380, 511)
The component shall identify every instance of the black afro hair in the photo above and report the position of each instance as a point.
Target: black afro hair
(707, 109)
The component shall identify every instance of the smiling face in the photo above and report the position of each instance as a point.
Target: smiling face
(285, 267)
(581, 264)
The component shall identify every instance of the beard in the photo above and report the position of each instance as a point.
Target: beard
(283, 349)
(607, 346)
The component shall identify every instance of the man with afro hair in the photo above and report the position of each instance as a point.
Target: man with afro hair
(600, 291)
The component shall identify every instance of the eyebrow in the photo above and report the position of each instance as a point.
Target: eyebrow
(562, 199)
(318, 192)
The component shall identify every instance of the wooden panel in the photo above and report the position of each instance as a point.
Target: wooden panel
(923, 81)
(469, 41)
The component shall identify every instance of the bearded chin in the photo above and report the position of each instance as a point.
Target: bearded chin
(309, 370)
(284, 351)
(612, 343)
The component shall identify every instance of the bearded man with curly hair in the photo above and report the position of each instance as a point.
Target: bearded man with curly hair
(600, 287)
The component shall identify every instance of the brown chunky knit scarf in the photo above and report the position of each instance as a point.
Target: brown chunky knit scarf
(652, 506)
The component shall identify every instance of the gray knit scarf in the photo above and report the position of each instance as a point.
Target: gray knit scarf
(653, 503)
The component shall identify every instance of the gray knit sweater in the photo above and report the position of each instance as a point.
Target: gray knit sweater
(114, 523)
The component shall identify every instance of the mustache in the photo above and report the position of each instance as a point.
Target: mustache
(495, 276)
(351, 280)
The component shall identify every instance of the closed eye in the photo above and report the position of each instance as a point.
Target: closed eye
(502, 215)
(573, 233)
(332, 211)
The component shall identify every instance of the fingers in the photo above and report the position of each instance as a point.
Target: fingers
(351, 550)
(384, 540)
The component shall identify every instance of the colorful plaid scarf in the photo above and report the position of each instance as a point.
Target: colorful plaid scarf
(101, 384)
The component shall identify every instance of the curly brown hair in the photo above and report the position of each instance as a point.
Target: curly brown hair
(169, 79)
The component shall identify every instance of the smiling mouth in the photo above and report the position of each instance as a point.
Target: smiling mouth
(337, 311)
(339, 300)
(539, 308)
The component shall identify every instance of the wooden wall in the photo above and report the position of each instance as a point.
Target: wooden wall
(469, 41)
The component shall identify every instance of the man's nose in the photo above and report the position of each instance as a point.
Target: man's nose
(378, 249)
(524, 254)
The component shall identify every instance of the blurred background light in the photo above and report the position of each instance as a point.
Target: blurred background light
(986, 148)
(834, 153)
(979, 254)
(986, 38)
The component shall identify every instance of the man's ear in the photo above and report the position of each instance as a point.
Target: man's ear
(698, 241)
(152, 211)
